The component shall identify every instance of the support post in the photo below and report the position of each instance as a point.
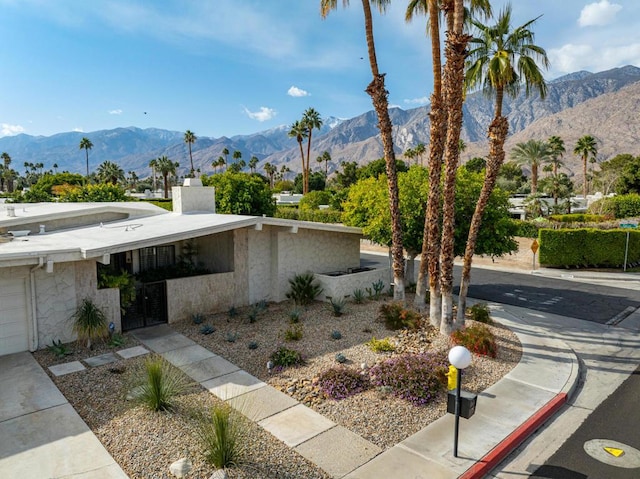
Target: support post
(457, 420)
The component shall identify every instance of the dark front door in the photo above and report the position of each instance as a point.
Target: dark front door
(149, 308)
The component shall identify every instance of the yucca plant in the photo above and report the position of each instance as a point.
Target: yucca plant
(303, 289)
(159, 384)
(223, 435)
(89, 322)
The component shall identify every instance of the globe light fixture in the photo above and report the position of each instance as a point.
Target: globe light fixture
(460, 358)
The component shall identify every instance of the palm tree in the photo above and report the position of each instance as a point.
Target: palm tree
(586, 147)
(109, 172)
(501, 60)
(85, 143)
(153, 164)
(410, 154)
(55, 168)
(310, 119)
(299, 132)
(225, 153)
(533, 154)
(253, 162)
(190, 138)
(419, 150)
(166, 167)
(379, 97)
(430, 257)
(326, 158)
(219, 162)
(237, 155)
(270, 170)
(556, 145)
(6, 161)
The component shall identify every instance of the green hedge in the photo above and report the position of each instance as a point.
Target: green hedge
(622, 206)
(588, 247)
(318, 216)
(527, 229)
(578, 218)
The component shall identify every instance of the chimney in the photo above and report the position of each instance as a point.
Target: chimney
(11, 211)
(193, 197)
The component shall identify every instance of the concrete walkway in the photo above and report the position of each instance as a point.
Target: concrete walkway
(46, 438)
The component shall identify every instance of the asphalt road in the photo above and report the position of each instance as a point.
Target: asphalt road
(613, 421)
(566, 298)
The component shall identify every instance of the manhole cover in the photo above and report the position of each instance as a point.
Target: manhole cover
(613, 453)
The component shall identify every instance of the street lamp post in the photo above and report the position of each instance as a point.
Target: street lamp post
(460, 357)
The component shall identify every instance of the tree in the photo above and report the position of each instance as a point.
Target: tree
(556, 146)
(190, 138)
(533, 153)
(410, 154)
(166, 167)
(253, 162)
(6, 161)
(241, 194)
(299, 131)
(109, 172)
(586, 147)
(501, 60)
(85, 143)
(310, 119)
(379, 97)
(476, 164)
(153, 164)
(559, 186)
(420, 150)
(510, 177)
(225, 154)
(326, 158)
(270, 170)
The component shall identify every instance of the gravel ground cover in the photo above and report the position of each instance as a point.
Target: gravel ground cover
(146, 443)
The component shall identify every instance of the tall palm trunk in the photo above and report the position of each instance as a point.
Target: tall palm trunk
(166, 185)
(430, 261)
(455, 49)
(378, 93)
(497, 135)
(304, 191)
(585, 186)
(534, 178)
(305, 175)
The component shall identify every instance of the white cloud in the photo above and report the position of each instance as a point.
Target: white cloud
(10, 130)
(417, 101)
(78, 129)
(600, 13)
(115, 112)
(571, 58)
(261, 115)
(297, 92)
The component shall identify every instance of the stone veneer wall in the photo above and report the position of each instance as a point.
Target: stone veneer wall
(313, 251)
(340, 286)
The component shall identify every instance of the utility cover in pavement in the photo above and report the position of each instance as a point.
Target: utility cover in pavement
(613, 453)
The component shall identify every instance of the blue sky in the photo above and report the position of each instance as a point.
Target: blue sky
(228, 67)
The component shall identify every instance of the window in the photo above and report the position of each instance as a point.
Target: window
(157, 257)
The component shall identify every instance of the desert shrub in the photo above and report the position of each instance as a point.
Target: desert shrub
(116, 340)
(224, 436)
(294, 316)
(338, 306)
(480, 312)
(335, 334)
(358, 296)
(416, 378)
(395, 317)
(621, 206)
(341, 382)
(303, 289)
(158, 384)
(381, 345)
(58, 349)
(89, 322)
(293, 333)
(477, 339)
(285, 357)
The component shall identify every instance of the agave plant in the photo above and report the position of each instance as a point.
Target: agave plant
(89, 322)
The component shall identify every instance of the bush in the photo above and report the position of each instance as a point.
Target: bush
(480, 312)
(341, 382)
(621, 206)
(416, 378)
(223, 435)
(381, 345)
(89, 322)
(395, 317)
(303, 289)
(160, 384)
(313, 200)
(294, 333)
(338, 306)
(285, 357)
(578, 218)
(526, 229)
(317, 216)
(477, 339)
(58, 349)
(358, 296)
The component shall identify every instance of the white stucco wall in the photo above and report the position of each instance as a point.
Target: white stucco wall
(340, 286)
(262, 261)
(313, 251)
(200, 294)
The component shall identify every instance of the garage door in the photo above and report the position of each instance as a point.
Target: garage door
(14, 332)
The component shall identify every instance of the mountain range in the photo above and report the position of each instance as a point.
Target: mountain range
(604, 104)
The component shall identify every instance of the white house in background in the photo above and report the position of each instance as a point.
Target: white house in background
(50, 252)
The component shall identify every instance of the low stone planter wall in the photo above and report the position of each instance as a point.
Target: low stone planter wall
(338, 286)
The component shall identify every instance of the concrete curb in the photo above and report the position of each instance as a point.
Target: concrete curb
(513, 440)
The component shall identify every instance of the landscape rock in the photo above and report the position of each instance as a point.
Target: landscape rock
(181, 467)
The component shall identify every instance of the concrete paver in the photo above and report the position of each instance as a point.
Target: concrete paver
(187, 355)
(338, 451)
(262, 403)
(295, 425)
(66, 368)
(210, 368)
(101, 360)
(133, 352)
(232, 385)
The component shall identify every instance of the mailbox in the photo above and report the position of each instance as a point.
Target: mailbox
(467, 403)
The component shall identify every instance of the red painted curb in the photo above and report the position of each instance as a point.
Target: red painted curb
(513, 440)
